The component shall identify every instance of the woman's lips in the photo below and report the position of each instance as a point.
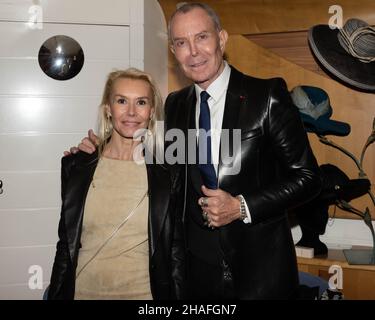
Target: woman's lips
(131, 123)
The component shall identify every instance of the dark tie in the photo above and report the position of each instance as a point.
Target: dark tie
(204, 150)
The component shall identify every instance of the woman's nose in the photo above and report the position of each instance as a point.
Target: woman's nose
(131, 109)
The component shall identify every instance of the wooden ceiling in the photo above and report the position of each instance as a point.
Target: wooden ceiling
(270, 16)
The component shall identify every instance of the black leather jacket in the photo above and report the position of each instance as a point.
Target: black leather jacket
(166, 248)
(278, 171)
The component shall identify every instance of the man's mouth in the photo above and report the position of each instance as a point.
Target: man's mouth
(197, 65)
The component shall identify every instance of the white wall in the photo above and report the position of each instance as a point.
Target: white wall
(41, 117)
(342, 234)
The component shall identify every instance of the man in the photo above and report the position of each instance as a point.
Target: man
(237, 234)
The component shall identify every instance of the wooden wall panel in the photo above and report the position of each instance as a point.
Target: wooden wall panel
(176, 80)
(292, 46)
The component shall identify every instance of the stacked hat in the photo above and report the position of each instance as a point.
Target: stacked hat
(348, 53)
(315, 110)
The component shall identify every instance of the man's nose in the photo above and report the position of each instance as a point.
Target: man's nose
(193, 48)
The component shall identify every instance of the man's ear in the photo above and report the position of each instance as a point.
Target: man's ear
(223, 36)
(172, 48)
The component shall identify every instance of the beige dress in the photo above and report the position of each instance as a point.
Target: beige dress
(120, 269)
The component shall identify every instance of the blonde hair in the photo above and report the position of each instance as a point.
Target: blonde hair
(105, 122)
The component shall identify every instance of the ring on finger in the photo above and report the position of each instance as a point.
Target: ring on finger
(205, 216)
(204, 202)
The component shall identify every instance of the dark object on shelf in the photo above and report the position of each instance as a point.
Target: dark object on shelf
(331, 294)
(311, 286)
(313, 216)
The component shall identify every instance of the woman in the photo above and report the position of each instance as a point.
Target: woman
(119, 234)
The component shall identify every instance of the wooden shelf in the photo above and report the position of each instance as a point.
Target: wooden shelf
(358, 280)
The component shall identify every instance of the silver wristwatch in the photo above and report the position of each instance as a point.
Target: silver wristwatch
(243, 214)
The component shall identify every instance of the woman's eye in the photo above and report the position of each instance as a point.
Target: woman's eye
(121, 101)
(142, 102)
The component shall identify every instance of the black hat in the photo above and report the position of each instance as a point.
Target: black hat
(315, 110)
(313, 216)
(336, 186)
(348, 53)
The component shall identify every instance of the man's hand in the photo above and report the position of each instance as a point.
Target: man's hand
(221, 207)
(88, 144)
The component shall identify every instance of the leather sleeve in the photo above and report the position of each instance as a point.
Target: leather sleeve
(178, 254)
(300, 176)
(178, 271)
(60, 284)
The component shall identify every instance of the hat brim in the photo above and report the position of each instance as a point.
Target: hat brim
(327, 49)
(325, 126)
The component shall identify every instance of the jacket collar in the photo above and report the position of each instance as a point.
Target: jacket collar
(81, 175)
(235, 103)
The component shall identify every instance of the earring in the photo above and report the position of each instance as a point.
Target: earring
(106, 129)
(107, 124)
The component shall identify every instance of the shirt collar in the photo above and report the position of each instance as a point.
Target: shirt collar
(218, 87)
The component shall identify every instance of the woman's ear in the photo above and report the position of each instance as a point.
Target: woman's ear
(107, 110)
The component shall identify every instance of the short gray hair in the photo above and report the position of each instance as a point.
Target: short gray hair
(186, 7)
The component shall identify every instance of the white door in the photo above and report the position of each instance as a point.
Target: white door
(39, 118)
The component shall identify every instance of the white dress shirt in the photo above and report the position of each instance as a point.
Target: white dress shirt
(216, 103)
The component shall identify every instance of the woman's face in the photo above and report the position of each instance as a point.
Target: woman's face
(130, 106)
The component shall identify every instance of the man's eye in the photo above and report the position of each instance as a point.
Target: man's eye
(202, 37)
(179, 43)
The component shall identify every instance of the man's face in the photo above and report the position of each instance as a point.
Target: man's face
(198, 46)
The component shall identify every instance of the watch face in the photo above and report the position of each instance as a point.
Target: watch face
(61, 57)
